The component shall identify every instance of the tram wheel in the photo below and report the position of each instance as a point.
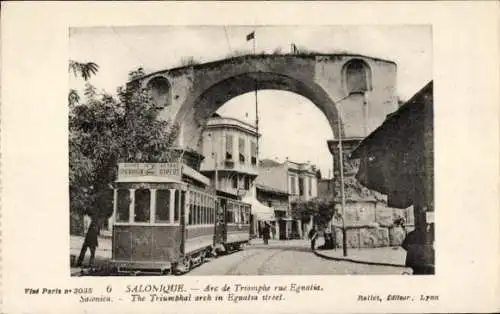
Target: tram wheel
(187, 264)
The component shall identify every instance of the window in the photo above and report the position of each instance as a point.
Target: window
(230, 213)
(235, 181)
(229, 147)
(301, 186)
(197, 210)
(204, 211)
(292, 184)
(269, 204)
(123, 206)
(179, 207)
(142, 205)
(241, 149)
(253, 153)
(247, 183)
(309, 186)
(212, 212)
(356, 76)
(242, 214)
(162, 206)
(192, 208)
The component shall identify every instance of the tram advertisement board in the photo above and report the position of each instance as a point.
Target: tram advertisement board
(170, 170)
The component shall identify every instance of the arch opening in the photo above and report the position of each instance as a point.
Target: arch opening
(207, 103)
(160, 91)
(291, 126)
(356, 76)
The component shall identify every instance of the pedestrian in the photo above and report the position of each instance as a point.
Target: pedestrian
(328, 237)
(90, 242)
(313, 235)
(266, 233)
(419, 252)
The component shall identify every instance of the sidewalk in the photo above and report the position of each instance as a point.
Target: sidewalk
(102, 254)
(386, 256)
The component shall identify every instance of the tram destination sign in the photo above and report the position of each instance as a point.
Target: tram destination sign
(170, 170)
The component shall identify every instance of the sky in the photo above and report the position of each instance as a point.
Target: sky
(303, 128)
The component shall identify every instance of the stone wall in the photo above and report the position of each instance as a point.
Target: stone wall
(371, 224)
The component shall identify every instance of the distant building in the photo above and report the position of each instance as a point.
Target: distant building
(288, 180)
(230, 150)
(230, 160)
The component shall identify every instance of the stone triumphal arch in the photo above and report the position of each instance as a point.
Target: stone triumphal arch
(189, 95)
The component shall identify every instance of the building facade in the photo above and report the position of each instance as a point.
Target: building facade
(397, 160)
(279, 201)
(230, 150)
(297, 181)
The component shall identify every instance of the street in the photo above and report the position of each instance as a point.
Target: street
(292, 257)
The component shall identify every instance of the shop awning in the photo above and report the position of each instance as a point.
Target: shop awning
(261, 211)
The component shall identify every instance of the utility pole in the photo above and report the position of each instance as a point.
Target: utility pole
(342, 192)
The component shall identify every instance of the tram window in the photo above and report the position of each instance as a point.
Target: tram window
(202, 212)
(142, 205)
(123, 206)
(162, 206)
(205, 211)
(177, 206)
(230, 214)
(242, 214)
(183, 202)
(191, 212)
(198, 213)
(213, 212)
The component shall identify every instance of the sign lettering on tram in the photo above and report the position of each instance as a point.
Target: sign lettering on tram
(171, 170)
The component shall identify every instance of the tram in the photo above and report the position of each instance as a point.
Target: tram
(167, 219)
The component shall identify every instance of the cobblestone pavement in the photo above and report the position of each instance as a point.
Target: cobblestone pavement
(293, 257)
(284, 258)
(385, 255)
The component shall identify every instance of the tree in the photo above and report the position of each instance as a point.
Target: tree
(83, 69)
(321, 208)
(104, 131)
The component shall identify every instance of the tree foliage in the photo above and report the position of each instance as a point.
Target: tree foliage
(321, 208)
(83, 69)
(103, 131)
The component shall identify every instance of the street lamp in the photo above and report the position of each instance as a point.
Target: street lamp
(341, 161)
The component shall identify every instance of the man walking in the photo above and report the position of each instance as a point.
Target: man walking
(90, 242)
(313, 235)
(266, 233)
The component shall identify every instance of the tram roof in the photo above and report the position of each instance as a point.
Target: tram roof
(148, 179)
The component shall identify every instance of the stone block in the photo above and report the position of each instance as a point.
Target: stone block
(384, 216)
(373, 237)
(396, 236)
(352, 238)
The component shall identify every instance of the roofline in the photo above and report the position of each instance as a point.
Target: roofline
(234, 119)
(266, 188)
(232, 126)
(303, 55)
